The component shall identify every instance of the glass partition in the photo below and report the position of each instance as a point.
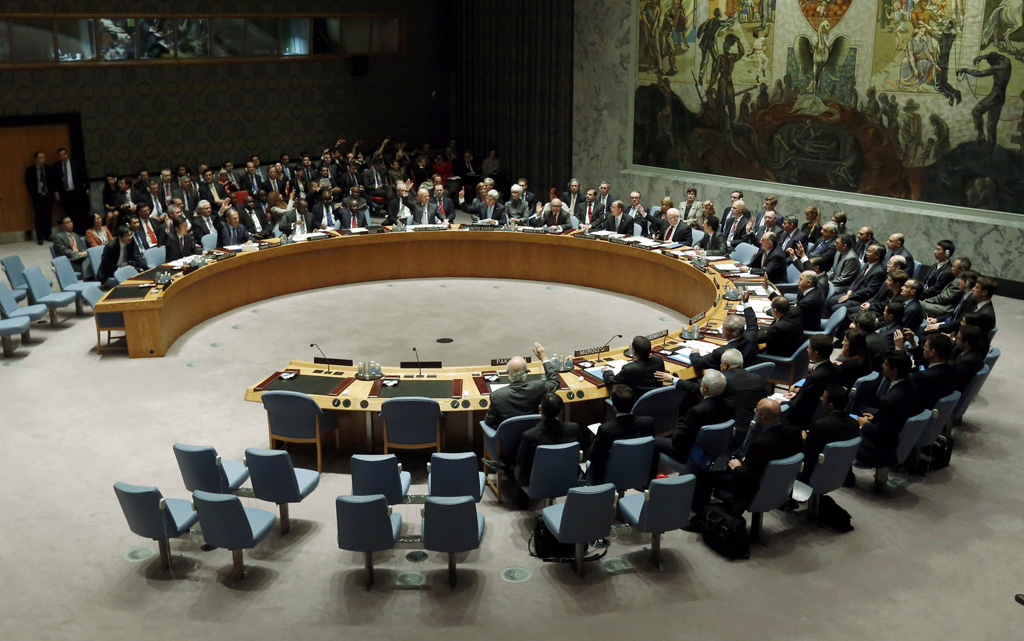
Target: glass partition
(32, 40)
(75, 39)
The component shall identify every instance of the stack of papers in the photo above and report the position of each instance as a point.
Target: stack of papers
(597, 372)
(727, 267)
(757, 290)
(703, 347)
(603, 232)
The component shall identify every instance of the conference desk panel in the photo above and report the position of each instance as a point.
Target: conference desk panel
(153, 323)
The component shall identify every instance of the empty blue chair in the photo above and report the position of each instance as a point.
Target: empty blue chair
(853, 405)
(662, 405)
(743, 253)
(40, 293)
(909, 436)
(293, 417)
(202, 469)
(663, 507)
(122, 274)
(629, 463)
(764, 370)
(829, 325)
(712, 442)
(455, 475)
(502, 443)
(585, 516)
(10, 327)
(366, 524)
(775, 489)
(380, 474)
(917, 269)
(829, 472)
(788, 369)
(574, 221)
(15, 270)
(451, 525)
(95, 257)
(227, 524)
(992, 334)
(991, 358)
(411, 422)
(637, 229)
(209, 241)
(68, 281)
(152, 516)
(9, 309)
(556, 469)
(697, 235)
(941, 415)
(970, 393)
(276, 480)
(155, 256)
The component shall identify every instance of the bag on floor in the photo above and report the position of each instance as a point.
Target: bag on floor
(940, 452)
(832, 516)
(723, 532)
(544, 545)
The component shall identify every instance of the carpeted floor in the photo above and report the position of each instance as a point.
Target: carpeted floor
(938, 559)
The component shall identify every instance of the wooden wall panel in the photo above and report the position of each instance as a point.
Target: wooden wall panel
(19, 144)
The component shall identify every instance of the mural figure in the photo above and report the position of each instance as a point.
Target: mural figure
(760, 53)
(946, 38)
(912, 130)
(650, 22)
(992, 104)
(1007, 18)
(670, 25)
(707, 39)
(721, 74)
(816, 59)
(918, 64)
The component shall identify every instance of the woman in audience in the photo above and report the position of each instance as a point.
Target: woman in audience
(839, 218)
(707, 208)
(420, 173)
(112, 200)
(492, 164)
(853, 360)
(396, 174)
(666, 204)
(812, 228)
(442, 167)
(98, 234)
(516, 207)
(278, 208)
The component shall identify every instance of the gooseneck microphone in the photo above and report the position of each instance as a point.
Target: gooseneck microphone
(418, 362)
(326, 360)
(605, 346)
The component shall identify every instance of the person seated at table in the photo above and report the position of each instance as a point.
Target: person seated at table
(786, 333)
(711, 409)
(521, 396)
(768, 261)
(835, 425)
(674, 231)
(490, 211)
(855, 359)
(821, 373)
(117, 254)
(297, 220)
(638, 374)
(737, 335)
(555, 218)
(548, 431)
(714, 242)
(624, 425)
(180, 243)
(898, 400)
(232, 231)
(353, 215)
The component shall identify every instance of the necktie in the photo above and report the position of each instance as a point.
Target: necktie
(354, 220)
(732, 232)
(74, 245)
(376, 179)
(42, 182)
(490, 212)
(167, 193)
(671, 232)
(181, 241)
(440, 205)
(149, 230)
(330, 219)
(255, 185)
(142, 247)
(157, 208)
(590, 211)
(67, 176)
(233, 236)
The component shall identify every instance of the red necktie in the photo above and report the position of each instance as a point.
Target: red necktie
(353, 220)
(74, 245)
(152, 236)
(590, 210)
(671, 231)
(440, 205)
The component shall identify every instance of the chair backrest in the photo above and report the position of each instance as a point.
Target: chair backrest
(588, 513)
(917, 269)
(637, 229)
(992, 334)
(661, 404)
(155, 256)
(629, 463)
(8, 303)
(38, 286)
(272, 475)
(833, 465)
(510, 431)
(971, 392)
(65, 273)
(200, 468)
(743, 253)
(831, 291)
(556, 469)
(141, 507)
(364, 524)
(667, 504)
(776, 483)
(122, 274)
(574, 221)
(92, 295)
(764, 370)
(833, 321)
(715, 439)
(15, 271)
(943, 412)
(411, 419)
(377, 474)
(95, 257)
(792, 273)
(991, 358)
(450, 524)
(911, 433)
(859, 385)
(209, 241)
(53, 251)
(454, 474)
(223, 519)
(291, 414)
(698, 236)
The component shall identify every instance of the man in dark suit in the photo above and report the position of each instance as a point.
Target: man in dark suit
(899, 400)
(349, 179)
(232, 231)
(865, 239)
(205, 222)
(445, 206)
(984, 290)
(941, 273)
(117, 254)
(821, 373)
(913, 316)
(617, 220)
(737, 336)
(826, 248)
(768, 261)
(714, 242)
(38, 188)
(734, 224)
(766, 221)
(638, 375)
(66, 243)
(938, 378)
(948, 323)
(180, 243)
(425, 212)
(521, 396)
(791, 234)
(710, 410)
(211, 190)
(942, 304)
(299, 221)
(250, 180)
(605, 197)
(325, 211)
(557, 216)
(810, 300)
(490, 211)
(189, 195)
(572, 198)
(640, 216)
(375, 179)
(590, 213)
(275, 182)
(256, 221)
(624, 425)
(845, 265)
(869, 278)
(352, 216)
(399, 207)
(835, 425)
(69, 183)
(896, 248)
(969, 356)
(786, 333)
(742, 479)
(673, 230)
(147, 234)
(549, 431)
(467, 169)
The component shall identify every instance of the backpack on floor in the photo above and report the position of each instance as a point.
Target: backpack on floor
(832, 516)
(544, 545)
(723, 532)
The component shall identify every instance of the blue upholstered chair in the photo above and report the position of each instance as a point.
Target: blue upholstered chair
(629, 463)
(380, 474)
(451, 525)
(122, 274)
(661, 404)
(155, 256)
(829, 325)
(698, 236)
(502, 443)
(276, 480)
(293, 417)
(992, 357)
(776, 488)
(40, 293)
(152, 516)
(743, 253)
(202, 469)
(209, 241)
(411, 422)
(909, 436)
(941, 415)
(663, 507)
(95, 258)
(227, 524)
(11, 327)
(712, 442)
(854, 405)
(970, 393)
(15, 270)
(830, 471)
(585, 516)
(764, 370)
(455, 475)
(67, 280)
(556, 469)
(788, 369)
(366, 524)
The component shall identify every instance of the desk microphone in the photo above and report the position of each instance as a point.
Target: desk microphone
(326, 360)
(605, 346)
(418, 362)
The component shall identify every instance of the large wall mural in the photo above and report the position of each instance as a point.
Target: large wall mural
(914, 99)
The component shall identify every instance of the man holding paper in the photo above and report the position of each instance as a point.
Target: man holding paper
(638, 375)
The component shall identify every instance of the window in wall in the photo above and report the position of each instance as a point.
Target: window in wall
(294, 36)
(116, 38)
(228, 37)
(327, 35)
(355, 35)
(156, 38)
(193, 38)
(5, 42)
(385, 35)
(75, 40)
(32, 40)
(261, 37)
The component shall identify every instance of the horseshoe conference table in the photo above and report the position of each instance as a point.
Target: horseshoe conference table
(156, 318)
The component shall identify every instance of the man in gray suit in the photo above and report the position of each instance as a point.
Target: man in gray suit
(65, 243)
(425, 212)
(521, 396)
(846, 266)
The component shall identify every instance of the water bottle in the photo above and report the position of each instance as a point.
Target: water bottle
(361, 370)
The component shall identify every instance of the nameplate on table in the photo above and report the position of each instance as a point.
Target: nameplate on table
(500, 362)
(340, 362)
(619, 241)
(718, 299)
(698, 317)
(375, 229)
(656, 335)
(591, 350)
(534, 230)
(482, 227)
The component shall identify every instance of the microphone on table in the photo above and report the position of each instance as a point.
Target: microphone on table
(326, 360)
(420, 375)
(605, 346)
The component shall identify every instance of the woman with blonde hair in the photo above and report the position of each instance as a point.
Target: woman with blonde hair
(812, 228)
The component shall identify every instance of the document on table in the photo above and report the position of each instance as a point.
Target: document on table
(703, 347)
(727, 267)
(603, 232)
(598, 373)
(301, 237)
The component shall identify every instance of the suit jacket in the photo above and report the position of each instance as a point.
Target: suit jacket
(682, 233)
(649, 222)
(784, 335)
(546, 432)
(714, 244)
(851, 369)
(827, 250)
(803, 406)
(289, 219)
(174, 247)
(282, 186)
(759, 229)
(62, 245)
(773, 442)
(620, 427)
(987, 310)
(952, 322)
(567, 205)
(965, 366)
(913, 315)
(833, 427)
(479, 212)
(520, 397)
(548, 219)
(189, 198)
(78, 176)
(937, 279)
(845, 269)
(902, 252)
(637, 375)
(449, 208)
(789, 240)
(866, 284)
(362, 218)
(251, 183)
(625, 224)
(933, 382)
(746, 344)
(709, 411)
(774, 265)
(224, 235)
(898, 404)
(433, 216)
(391, 218)
(246, 217)
(213, 194)
(202, 227)
(348, 180)
(739, 234)
(319, 212)
(111, 253)
(597, 214)
(368, 178)
(811, 303)
(32, 180)
(743, 391)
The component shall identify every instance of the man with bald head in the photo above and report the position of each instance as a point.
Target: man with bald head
(557, 216)
(673, 230)
(521, 396)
